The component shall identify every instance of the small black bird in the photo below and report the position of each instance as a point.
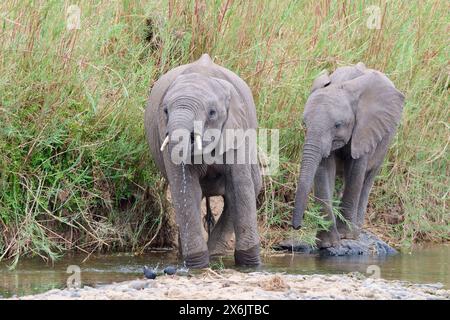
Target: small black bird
(149, 273)
(170, 270)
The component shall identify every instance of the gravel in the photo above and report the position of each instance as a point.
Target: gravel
(230, 284)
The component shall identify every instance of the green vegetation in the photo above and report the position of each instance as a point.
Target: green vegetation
(217, 264)
(75, 172)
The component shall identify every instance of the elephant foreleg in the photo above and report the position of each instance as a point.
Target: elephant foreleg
(241, 202)
(364, 197)
(355, 172)
(323, 192)
(186, 196)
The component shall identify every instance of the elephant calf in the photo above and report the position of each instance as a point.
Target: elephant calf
(200, 98)
(350, 117)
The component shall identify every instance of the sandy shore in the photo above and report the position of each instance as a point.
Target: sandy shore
(231, 284)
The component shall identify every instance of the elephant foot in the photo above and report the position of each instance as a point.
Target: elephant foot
(348, 232)
(221, 244)
(249, 257)
(197, 260)
(326, 239)
(221, 249)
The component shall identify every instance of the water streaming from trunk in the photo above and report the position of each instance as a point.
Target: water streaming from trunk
(183, 191)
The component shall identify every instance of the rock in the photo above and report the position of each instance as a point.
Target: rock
(366, 244)
(122, 288)
(151, 284)
(138, 284)
(295, 246)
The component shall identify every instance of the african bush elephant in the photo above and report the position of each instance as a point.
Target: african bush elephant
(350, 116)
(206, 95)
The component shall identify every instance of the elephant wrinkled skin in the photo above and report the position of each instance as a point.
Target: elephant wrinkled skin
(351, 117)
(217, 98)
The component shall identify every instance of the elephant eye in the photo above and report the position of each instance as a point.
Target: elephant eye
(166, 112)
(338, 124)
(212, 113)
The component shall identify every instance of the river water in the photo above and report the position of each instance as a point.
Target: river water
(33, 275)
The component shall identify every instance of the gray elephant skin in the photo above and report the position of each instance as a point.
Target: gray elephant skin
(217, 98)
(351, 117)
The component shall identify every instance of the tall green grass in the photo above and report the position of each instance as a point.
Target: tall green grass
(75, 171)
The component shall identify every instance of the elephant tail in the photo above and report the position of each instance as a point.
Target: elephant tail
(209, 218)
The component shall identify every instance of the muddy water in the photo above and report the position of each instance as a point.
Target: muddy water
(424, 265)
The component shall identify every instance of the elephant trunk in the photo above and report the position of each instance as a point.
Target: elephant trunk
(181, 125)
(185, 188)
(312, 156)
(182, 119)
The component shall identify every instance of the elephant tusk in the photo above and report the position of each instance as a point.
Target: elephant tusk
(165, 143)
(198, 141)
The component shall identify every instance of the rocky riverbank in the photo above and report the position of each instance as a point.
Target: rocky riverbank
(229, 284)
(367, 244)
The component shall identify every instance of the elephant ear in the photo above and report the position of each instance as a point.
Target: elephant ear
(321, 81)
(378, 108)
(236, 118)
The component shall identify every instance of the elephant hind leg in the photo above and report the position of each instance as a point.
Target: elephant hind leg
(364, 197)
(220, 238)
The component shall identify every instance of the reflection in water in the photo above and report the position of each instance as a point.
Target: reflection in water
(426, 265)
